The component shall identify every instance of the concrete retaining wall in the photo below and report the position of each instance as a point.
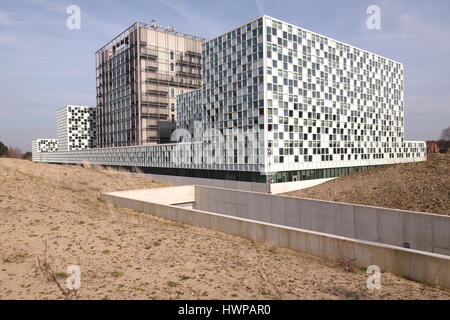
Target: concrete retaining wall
(168, 195)
(420, 266)
(426, 232)
(277, 188)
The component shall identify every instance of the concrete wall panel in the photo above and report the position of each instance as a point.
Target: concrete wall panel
(441, 236)
(390, 227)
(418, 232)
(277, 211)
(343, 220)
(366, 223)
(283, 187)
(427, 232)
(292, 212)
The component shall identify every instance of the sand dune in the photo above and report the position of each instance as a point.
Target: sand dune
(127, 255)
(419, 186)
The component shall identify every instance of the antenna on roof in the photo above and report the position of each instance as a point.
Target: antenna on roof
(169, 29)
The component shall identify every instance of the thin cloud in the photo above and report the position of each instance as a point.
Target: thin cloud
(261, 6)
(194, 15)
(9, 41)
(4, 19)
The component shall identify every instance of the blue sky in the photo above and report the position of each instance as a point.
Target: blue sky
(44, 65)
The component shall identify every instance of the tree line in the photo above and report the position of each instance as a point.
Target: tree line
(13, 152)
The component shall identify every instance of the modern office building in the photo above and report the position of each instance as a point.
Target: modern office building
(189, 109)
(278, 105)
(313, 102)
(40, 147)
(45, 145)
(139, 75)
(76, 128)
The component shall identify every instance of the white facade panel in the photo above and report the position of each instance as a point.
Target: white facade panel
(76, 127)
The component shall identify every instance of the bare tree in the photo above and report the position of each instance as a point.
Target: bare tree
(27, 155)
(44, 266)
(445, 134)
(444, 141)
(15, 153)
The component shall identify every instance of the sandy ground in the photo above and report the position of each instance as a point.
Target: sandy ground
(127, 255)
(420, 186)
